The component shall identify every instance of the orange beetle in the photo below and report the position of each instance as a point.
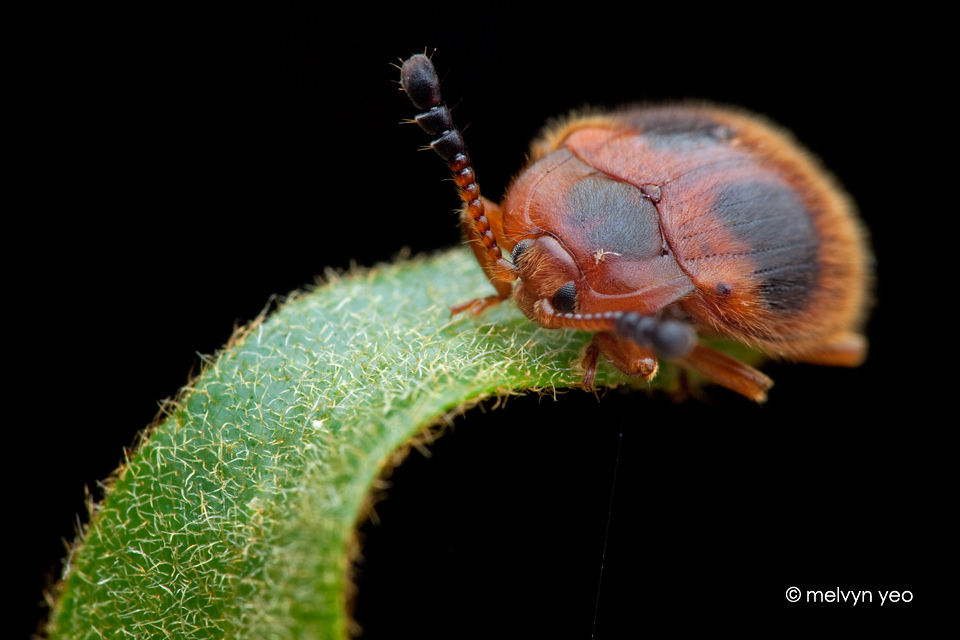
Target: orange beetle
(655, 225)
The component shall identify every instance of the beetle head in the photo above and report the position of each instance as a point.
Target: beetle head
(547, 271)
(549, 275)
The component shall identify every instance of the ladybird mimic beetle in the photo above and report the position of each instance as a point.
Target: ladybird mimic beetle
(654, 226)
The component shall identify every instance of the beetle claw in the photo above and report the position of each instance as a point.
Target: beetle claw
(589, 364)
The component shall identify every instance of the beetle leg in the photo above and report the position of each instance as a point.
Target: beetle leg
(845, 350)
(630, 341)
(477, 305)
(626, 355)
(729, 372)
(589, 363)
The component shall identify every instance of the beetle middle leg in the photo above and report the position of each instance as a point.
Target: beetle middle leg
(729, 372)
(847, 349)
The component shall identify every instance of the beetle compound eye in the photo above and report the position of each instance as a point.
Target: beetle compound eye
(565, 299)
(519, 249)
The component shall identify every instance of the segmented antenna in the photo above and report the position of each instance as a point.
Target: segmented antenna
(669, 338)
(419, 80)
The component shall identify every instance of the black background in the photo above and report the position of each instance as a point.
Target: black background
(177, 169)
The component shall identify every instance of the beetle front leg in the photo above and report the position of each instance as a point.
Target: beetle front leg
(626, 355)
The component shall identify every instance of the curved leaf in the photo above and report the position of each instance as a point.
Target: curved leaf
(234, 517)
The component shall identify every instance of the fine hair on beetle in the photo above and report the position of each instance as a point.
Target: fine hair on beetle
(659, 226)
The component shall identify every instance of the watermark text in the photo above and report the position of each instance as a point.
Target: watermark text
(852, 597)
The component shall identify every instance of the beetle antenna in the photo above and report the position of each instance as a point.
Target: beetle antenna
(419, 80)
(670, 338)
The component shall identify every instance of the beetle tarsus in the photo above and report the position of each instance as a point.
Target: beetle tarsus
(476, 306)
(589, 364)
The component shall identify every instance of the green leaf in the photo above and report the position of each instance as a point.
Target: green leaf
(234, 517)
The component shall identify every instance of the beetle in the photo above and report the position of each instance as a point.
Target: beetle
(657, 226)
